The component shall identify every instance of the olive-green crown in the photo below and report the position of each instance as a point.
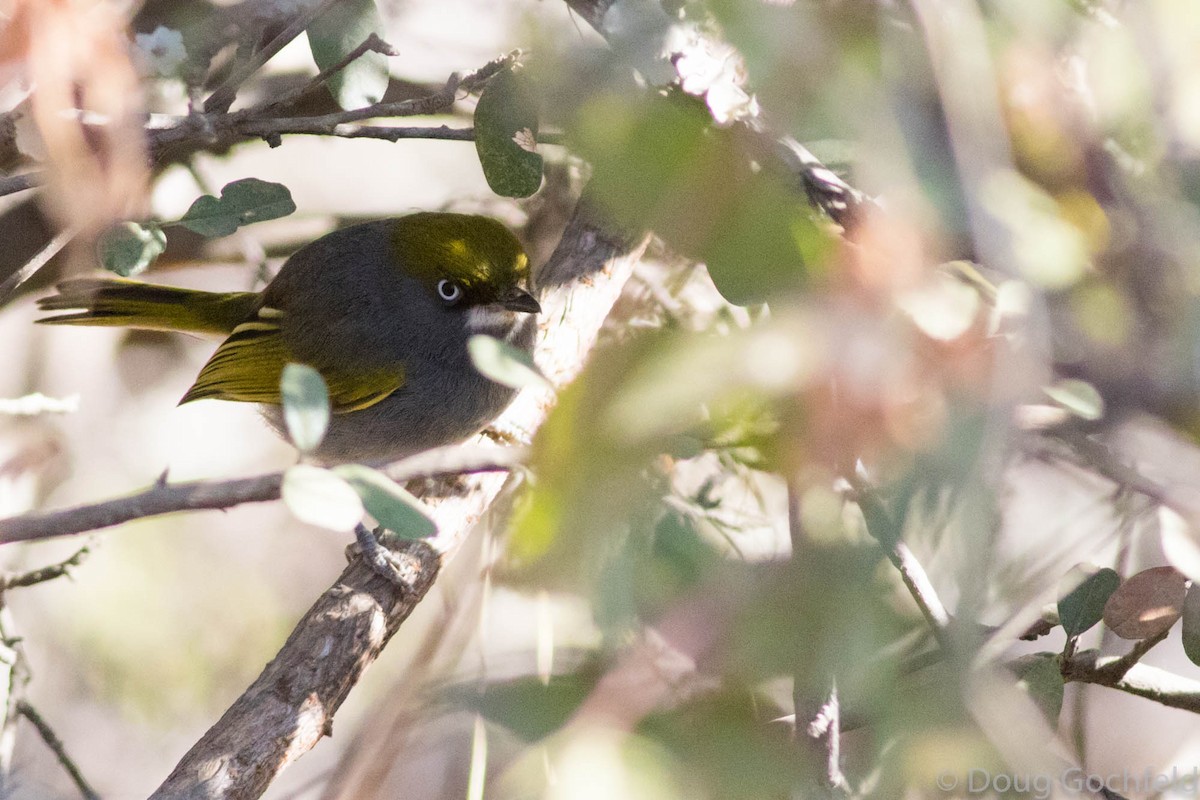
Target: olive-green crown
(478, 253)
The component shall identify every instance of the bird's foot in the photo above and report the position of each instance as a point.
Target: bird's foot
(399, 569)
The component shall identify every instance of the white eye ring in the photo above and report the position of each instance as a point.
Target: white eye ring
(449, 291)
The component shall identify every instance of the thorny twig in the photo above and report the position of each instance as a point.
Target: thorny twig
(49, 573)
(165, 497)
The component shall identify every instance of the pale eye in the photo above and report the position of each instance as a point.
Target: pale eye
(449, 291)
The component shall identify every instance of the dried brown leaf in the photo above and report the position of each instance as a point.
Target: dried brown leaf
(1147, 604)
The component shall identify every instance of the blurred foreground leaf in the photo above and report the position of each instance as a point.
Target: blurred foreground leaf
(504, 363)
(660, 164)
(305, 405)
(727, 739)
(1040, 677)
(388, 502)
(319, 497)
(334, 35)
(526, 706)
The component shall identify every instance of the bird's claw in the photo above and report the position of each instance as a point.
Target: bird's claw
(395, 567)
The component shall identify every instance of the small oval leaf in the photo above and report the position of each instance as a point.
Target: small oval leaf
(1087, 590)
(319, 497)
(388, 502)
(504, 363)
(334, 35)
(1146, 604)
(305, 405)
(506, 129)
(1191, 624)
(130, 247)
(241, 202)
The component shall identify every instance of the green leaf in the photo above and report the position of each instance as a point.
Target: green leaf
(130, 247)
(504, 363)
(388, 502)
(241, 203)
(529, 708)
(506, 129)
(1039, 675)
(1082, 606)
(319, 497)
(1191, 624)
(305, 405)
(333, 36)
(661, 164)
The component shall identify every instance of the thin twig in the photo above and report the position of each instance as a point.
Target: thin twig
(14, 677)
(40, 260)
(56, 746)
(882, 528)
(224, 95)
(372, 44)
(1115, 670)
(11, 184)
(222, 129)
(49, 573)
(166, 498)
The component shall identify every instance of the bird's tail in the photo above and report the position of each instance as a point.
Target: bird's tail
(124, 303)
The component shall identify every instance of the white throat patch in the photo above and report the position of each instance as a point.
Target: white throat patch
(493, 320)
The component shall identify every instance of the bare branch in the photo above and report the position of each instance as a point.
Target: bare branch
(166, 498)
(43, 574)
(216, 130)
(11, 184)
(1151, 683)
(1112, 670)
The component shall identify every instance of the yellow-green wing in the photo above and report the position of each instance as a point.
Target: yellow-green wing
(248, 365)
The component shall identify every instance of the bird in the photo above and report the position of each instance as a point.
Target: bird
(383, 310)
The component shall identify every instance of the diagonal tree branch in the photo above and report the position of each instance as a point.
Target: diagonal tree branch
(290, 706)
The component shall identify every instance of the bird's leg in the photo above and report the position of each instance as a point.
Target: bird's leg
(383, 561)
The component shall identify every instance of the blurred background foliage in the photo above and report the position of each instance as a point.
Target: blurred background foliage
(985, 362)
